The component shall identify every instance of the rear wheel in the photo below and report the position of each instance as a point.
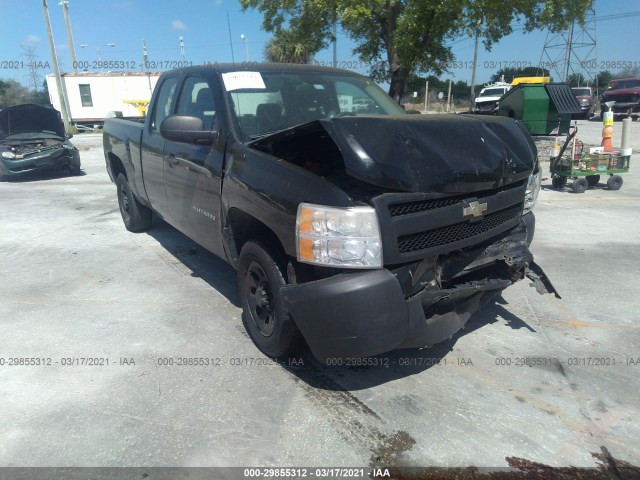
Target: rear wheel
(559, 182)
(265, 315)
(136, 217)
(614, 182)
(579, 185)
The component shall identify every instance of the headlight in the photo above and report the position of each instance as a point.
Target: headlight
(338, 237)
(533, 189)
(9, 155)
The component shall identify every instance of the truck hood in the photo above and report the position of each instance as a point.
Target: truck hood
(415, 153)
(29, 118)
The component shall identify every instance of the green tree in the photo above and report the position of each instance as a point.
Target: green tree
(631, 72)
(577, 80)
(13, 93)
(41, 97)
(602, 80)
(400, 37)
(510, 73)
(288, 47)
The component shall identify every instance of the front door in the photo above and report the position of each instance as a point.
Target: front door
(152, 147)
(192, 173)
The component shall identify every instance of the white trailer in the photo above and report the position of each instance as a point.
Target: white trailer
(91, 96)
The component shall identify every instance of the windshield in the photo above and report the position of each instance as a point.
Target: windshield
(272, 101)
(582, 92)
(625, 84)
(492, 92)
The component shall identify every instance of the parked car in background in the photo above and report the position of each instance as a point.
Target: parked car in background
(626, 93)
(487, 101)
(32, 139)
(586, 99)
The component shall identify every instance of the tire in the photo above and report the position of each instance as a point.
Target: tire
(264, 313)
(559, 183)
(614, 182)
(593, 180)
(579, 185)
(3, 178)
(74, 170)
(136, 217)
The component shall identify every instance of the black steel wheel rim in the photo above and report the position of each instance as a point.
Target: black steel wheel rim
(124, 202)
(260, 299)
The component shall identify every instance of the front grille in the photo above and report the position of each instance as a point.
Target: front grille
(454, 233)
(407, 208)
(422, 206)
(624, 98)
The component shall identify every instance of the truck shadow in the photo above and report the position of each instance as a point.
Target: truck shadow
(370, 372)
(200, 262)
(344, 376)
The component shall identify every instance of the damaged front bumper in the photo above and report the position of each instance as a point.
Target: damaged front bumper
(417, 305)
(51, 159)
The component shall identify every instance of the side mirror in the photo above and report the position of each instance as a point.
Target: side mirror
(186, 129)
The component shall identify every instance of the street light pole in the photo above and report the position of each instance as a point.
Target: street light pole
(56, 69)
(65, 11)
(246, 44)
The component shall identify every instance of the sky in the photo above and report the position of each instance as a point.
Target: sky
(114, 30)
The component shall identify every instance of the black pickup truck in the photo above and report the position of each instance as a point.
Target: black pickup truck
(356, 229)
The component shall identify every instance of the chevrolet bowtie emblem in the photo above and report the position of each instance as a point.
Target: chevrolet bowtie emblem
(476, 209)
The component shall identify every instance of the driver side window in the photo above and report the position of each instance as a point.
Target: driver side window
(196, 100)
(164, 104)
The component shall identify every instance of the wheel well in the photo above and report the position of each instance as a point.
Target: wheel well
(242, 227)
(116, 165)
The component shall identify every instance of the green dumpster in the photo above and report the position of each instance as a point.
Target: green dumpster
(540, 106)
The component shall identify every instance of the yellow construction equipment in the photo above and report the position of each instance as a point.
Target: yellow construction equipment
(141, 105)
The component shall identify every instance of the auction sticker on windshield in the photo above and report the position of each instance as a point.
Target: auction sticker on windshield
(240, 80)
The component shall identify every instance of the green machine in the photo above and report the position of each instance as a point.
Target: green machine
(540, 106)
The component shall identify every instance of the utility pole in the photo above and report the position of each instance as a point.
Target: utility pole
(65, 11)
(473, 73)
(144, 64)
(181, 47)
(56, 70)
(426, 97)
(449, 98)
(246, 45)
(335, 43)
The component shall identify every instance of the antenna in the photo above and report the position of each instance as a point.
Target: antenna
(233, 60)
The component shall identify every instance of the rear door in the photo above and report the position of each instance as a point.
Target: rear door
(192, 173)
(152, 147)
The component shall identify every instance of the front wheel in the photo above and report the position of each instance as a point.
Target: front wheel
(614, 182)
(265, 315)
(579, 185)
(559, 182)
(136, 217)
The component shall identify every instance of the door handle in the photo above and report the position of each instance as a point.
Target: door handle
(172, 160)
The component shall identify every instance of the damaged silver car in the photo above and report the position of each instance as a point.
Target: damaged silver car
(33, 139)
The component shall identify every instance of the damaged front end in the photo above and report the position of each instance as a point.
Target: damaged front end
(32, 139)
(451, 197)
(412, 306)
